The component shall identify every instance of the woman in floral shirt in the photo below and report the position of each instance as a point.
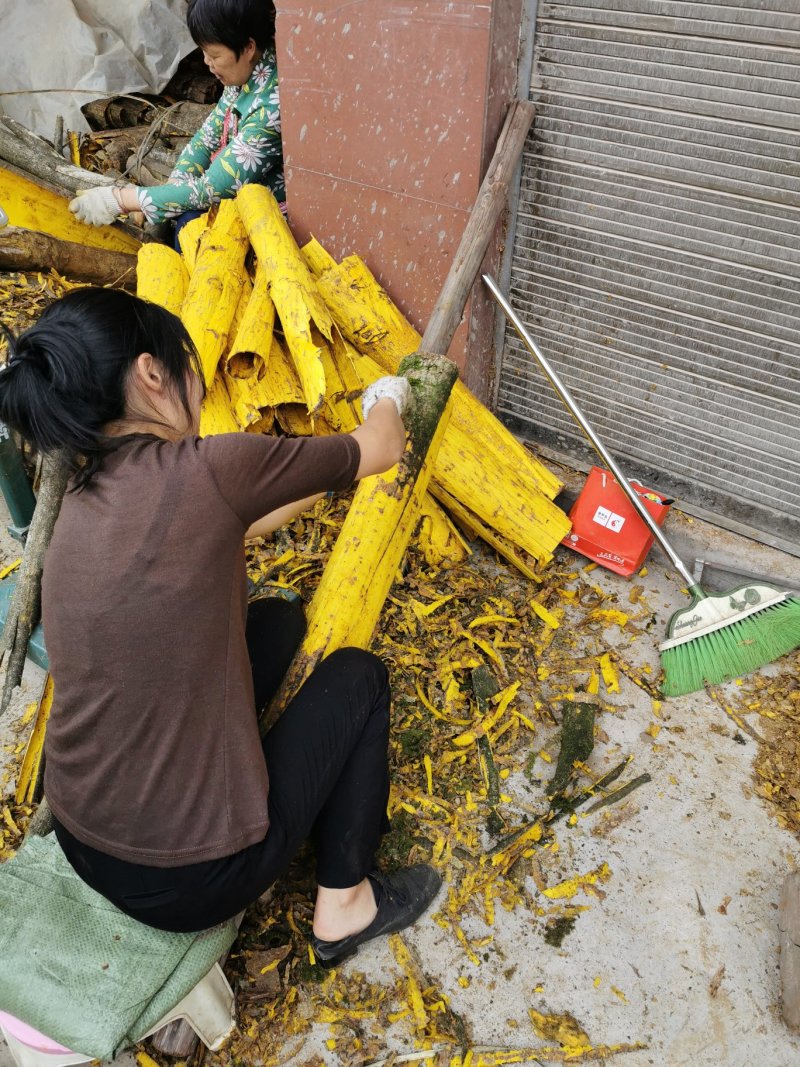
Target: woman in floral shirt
(239, 142)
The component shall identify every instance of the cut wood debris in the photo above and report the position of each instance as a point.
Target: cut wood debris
(487, 679)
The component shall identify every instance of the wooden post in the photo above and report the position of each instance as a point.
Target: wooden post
(488, 207)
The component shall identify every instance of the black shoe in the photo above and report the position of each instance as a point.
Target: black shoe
(402, 897)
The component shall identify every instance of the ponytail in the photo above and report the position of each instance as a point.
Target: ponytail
(65, 378)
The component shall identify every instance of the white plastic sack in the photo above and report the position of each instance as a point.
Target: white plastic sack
(59, 54)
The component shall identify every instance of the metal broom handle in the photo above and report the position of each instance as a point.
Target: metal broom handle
(597, 444)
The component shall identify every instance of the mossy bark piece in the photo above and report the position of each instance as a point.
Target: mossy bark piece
(485, 686)
(620, 794)
(577, 742)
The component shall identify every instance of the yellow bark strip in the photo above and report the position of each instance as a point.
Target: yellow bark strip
(562, 1028)
(281, 384)
(437, 537)
(406, 964)
(33, 207)
(216, 287)
(364, 562)
(504, 1057)
(249, 352)
(346, 358)
(241, 307)
(32, 760)
(243, 402)
(294, 419)
(318, 260)
(291, 286)
(480, 463)
(567, 890)
(473, 527)
(161, 277)
(216, 414)
(190, 237)
(365, 314)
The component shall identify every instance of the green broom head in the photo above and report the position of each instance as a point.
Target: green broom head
(719, 638)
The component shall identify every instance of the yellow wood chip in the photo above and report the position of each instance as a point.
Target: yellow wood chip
(547, 617)
(566, 890)
(607, 669)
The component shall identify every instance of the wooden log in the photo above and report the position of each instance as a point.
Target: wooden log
(32, 204)
(789, 927)
(30, 250)
(485, 214)
(358, 576)
(23, 612)
(34, 155)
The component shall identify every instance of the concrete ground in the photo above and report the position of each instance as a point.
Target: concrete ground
(679, 951)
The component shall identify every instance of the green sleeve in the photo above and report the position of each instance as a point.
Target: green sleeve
(255, 154)
(196, 156)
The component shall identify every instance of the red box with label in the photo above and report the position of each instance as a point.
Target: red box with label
(607, 528)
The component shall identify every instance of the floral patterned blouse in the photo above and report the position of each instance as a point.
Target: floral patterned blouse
(239, 142)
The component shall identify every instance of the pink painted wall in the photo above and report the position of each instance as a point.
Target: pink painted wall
(391, 111)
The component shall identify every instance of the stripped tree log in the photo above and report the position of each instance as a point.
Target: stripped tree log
(30, 250)
(357, 578)
(375, 534)
(35, 158)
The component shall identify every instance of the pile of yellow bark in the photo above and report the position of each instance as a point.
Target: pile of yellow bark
(291, 348)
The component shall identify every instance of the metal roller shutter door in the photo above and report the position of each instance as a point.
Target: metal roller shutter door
(657, 248)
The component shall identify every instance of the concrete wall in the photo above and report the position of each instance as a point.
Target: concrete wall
(391, 112)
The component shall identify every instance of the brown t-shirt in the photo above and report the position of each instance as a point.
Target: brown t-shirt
(153, 751)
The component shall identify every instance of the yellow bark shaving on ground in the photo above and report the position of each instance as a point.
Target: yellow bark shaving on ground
(31, 767)
(776, 702)
(437, 627)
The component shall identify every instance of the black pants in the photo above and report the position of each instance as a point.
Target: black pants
(327, 763)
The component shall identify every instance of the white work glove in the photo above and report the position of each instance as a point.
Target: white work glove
(96, 207)
(396, 389)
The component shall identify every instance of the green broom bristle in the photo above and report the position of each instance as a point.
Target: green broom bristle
(734, 650)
